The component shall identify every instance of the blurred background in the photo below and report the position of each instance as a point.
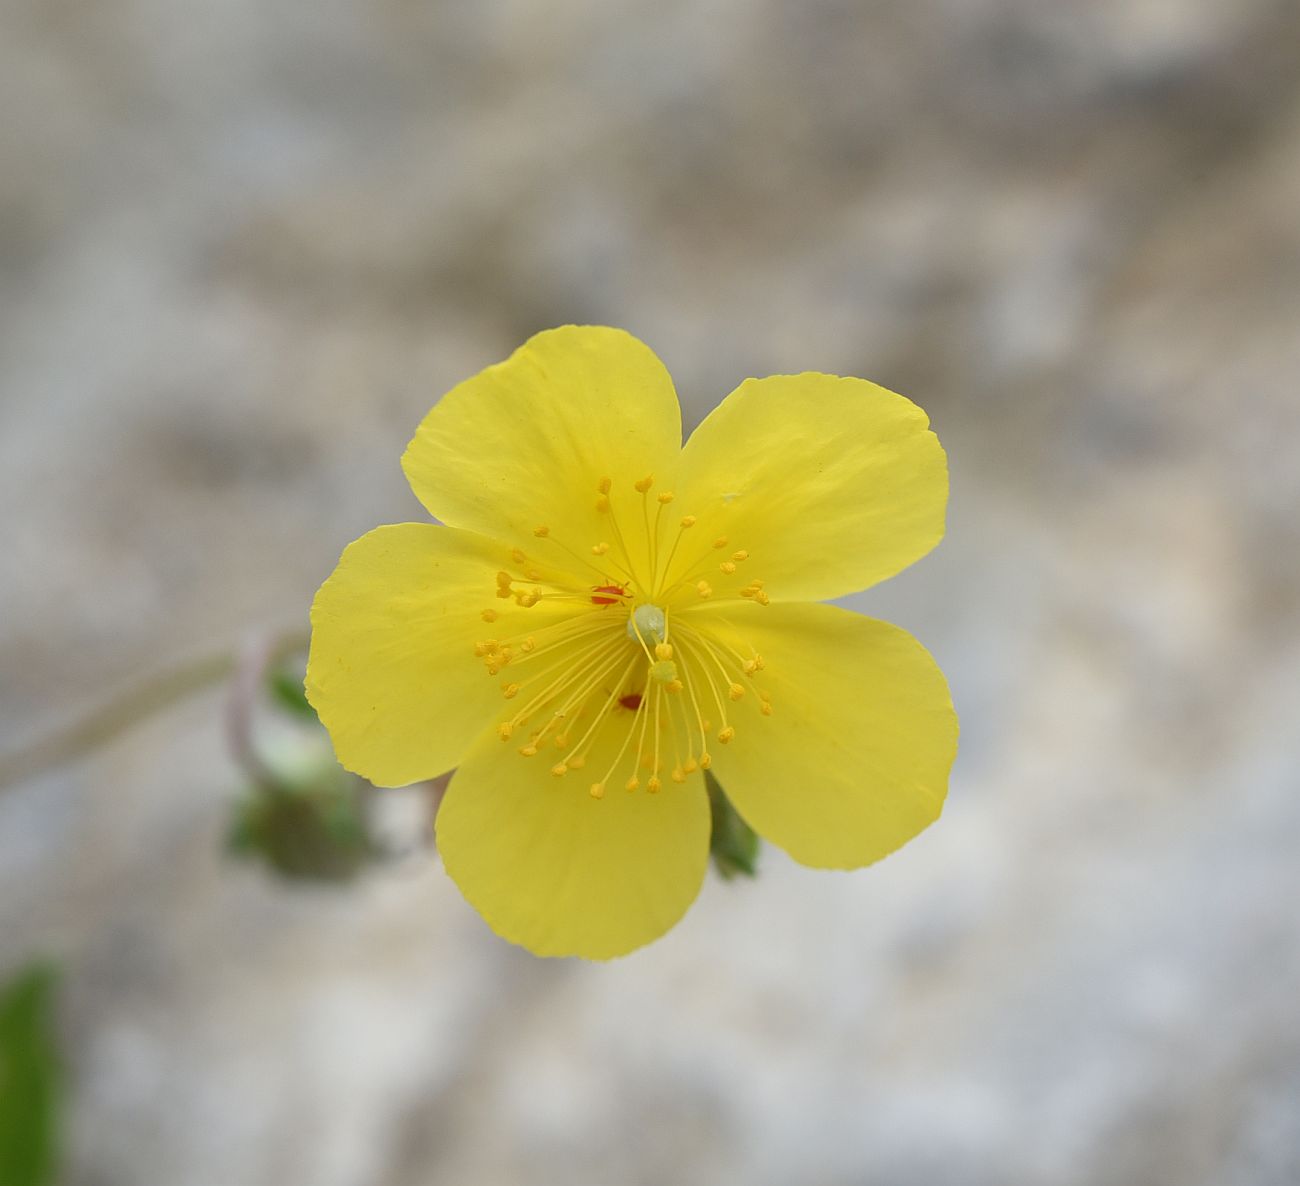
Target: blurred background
(242, 249)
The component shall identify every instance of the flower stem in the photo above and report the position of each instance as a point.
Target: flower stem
(124, 711)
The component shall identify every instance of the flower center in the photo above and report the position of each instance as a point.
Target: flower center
(647, 623)
(630, 662)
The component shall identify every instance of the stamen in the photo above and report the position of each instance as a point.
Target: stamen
(489, 615)
(644, 484)
(604, 712)
(541, 532)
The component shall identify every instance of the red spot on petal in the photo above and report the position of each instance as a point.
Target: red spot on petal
(617, 590)
(632, 701)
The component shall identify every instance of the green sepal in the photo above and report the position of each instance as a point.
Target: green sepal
(314, 831)
(287, 692)
(734, 844)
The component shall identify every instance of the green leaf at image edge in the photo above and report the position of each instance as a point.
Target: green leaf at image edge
(29, 1079)
(734, 844)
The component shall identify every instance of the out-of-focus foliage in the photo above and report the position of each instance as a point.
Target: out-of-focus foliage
(29, 1079)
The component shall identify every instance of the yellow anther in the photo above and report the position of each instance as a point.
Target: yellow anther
(599, 549)
(666, 497)
(561, 740)
(511, 691)
(706, 760)
(678, 774)
(739, 556)
(597, 790)
(653, 784)
(690, 766)
(504, 655)
(577, 762)
(750, 666)
(663, 650)
(632, 783)
(541, 532)
(644, 484)
(518, 556)
(486, 647)
(664, 671)
(489, 615)
(533, 575)
(765, 708)
(688, 520)
(504, 730)
(675, 685)
(504, 591)
(529, 644)
(728, 566)
(704, 589)
(503, 580)
(604, 485)
(720, 542)
(762, 598)
(725, 735)
(602, 503)
(493, 666)
(529, 750)
(559, 770)
(736, 691)
(526, 600)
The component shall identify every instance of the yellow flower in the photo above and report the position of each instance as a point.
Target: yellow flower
(607, 613)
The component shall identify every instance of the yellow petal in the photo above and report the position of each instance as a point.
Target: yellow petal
(854, 759)
(526, 444)
(829, 484)
(392, 671)
(560, 872)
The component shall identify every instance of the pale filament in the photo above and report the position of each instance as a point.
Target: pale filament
(629, 642)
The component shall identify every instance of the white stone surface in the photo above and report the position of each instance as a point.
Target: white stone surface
(243, 246)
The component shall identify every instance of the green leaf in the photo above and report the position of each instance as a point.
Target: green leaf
(287, 692)
(29, 1079)
(734, 844)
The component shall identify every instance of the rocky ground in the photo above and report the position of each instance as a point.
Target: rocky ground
(243, 246)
